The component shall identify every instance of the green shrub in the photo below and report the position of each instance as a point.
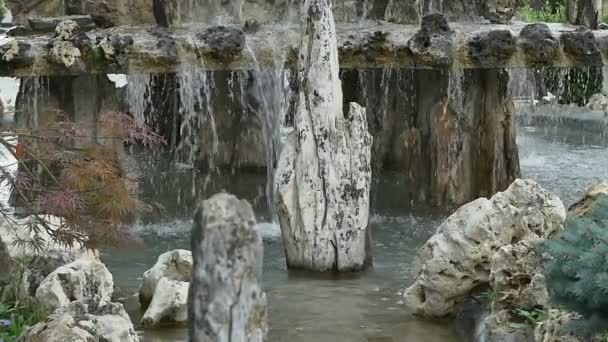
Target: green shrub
(577, 278)
(547, 14)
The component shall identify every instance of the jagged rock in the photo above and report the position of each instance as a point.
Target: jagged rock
(41, 24)
(583, 205)
(81, 279)
(581, 46)
(552, 330)
(65, 44)
(226, 302)
(517, 273)
(84, 321)
(458, 258)
(496, 328)
(115, 47)
(432, 45)
(169, 304)
(492, 48)
(9, 49)
(174, 265)
(223, 41)
(499, 11)
(598, 102)
(538, 43)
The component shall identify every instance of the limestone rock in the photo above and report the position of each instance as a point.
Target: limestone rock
(115, 47)
(9, 49)
(597, 190)
(598, 102)
(65, 45)
(226, 302)
(79, 280)
(169, 304)
(458, 257)
(492, 48)
(84, 321)
(538, 43)
(433, 45)
(174, 265)
(500, 11)
(223, 41)
(496, 328)
(551, 330)
(517, 272)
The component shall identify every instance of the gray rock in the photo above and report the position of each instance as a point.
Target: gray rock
(20, 30)
(65, 45)
(115, 47)
(84, 321)
(169, 304)
(552, 330)
(174, 265)
(496, 328)
(582, 46)
(226, 302)
(433, 45)
(458, 258)
(538, 43)
(223, 41)
(492, 48)
(84, 22)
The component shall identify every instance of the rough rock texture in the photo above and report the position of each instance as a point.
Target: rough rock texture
(597, 190)
(84, 22)
(433, 44)
(581, 46)
(492, 48)
(499, 11)
(551, 330)
(517, 272)
(495, 328)
(115, 47)
(65, 44)
(538, 43)
(223, 41)
(175, 265)
(598, 102)
(323, 177)
(79, 280)
(226, 302)
(84, 321)
(169, 304)
(458, 257)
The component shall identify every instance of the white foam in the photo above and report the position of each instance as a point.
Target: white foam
(181, 228)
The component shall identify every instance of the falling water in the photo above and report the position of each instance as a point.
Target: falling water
(138, 96)
(456, 89)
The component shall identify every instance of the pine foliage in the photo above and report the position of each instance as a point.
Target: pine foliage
(577, 278)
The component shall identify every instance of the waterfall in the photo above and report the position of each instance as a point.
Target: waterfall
(138, 96)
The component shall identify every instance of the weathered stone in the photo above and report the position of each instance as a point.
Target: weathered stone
(538, 43)
(175, 265)
(517, 273)
(115, 47)
(226, 302)
(223, 41)
(9, 49)
(552, 330)
(79, 280)
(496, 328)
(433, 45)
(65, 45)
(458, 257)
(84, 321)
(499, 11)
(598, 102)
(582, 206)
(323, 178)
(169, 304)
(83, 22)
(581, 46)
(492, 48)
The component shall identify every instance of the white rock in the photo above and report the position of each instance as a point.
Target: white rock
(226, 301)
(458, 257)
(173, 265)
(82, 279)
(84, 321)
(323, 176)
(169, 304)
(598, 102)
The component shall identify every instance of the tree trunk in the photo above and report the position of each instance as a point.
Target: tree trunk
(323, 176)
(584, 12)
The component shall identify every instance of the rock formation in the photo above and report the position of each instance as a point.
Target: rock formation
(84, 320)
(463, 253)
(79, 280)
(174, 265)
(323, 176)
(226, 301)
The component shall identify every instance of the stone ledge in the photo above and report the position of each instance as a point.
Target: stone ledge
(371, 45)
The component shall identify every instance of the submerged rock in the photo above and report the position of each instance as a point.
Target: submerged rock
(169, 304)
(174, 265)
(458, 258)
(226, 301)
(433, 45)
(79, 280)
(84, 321)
